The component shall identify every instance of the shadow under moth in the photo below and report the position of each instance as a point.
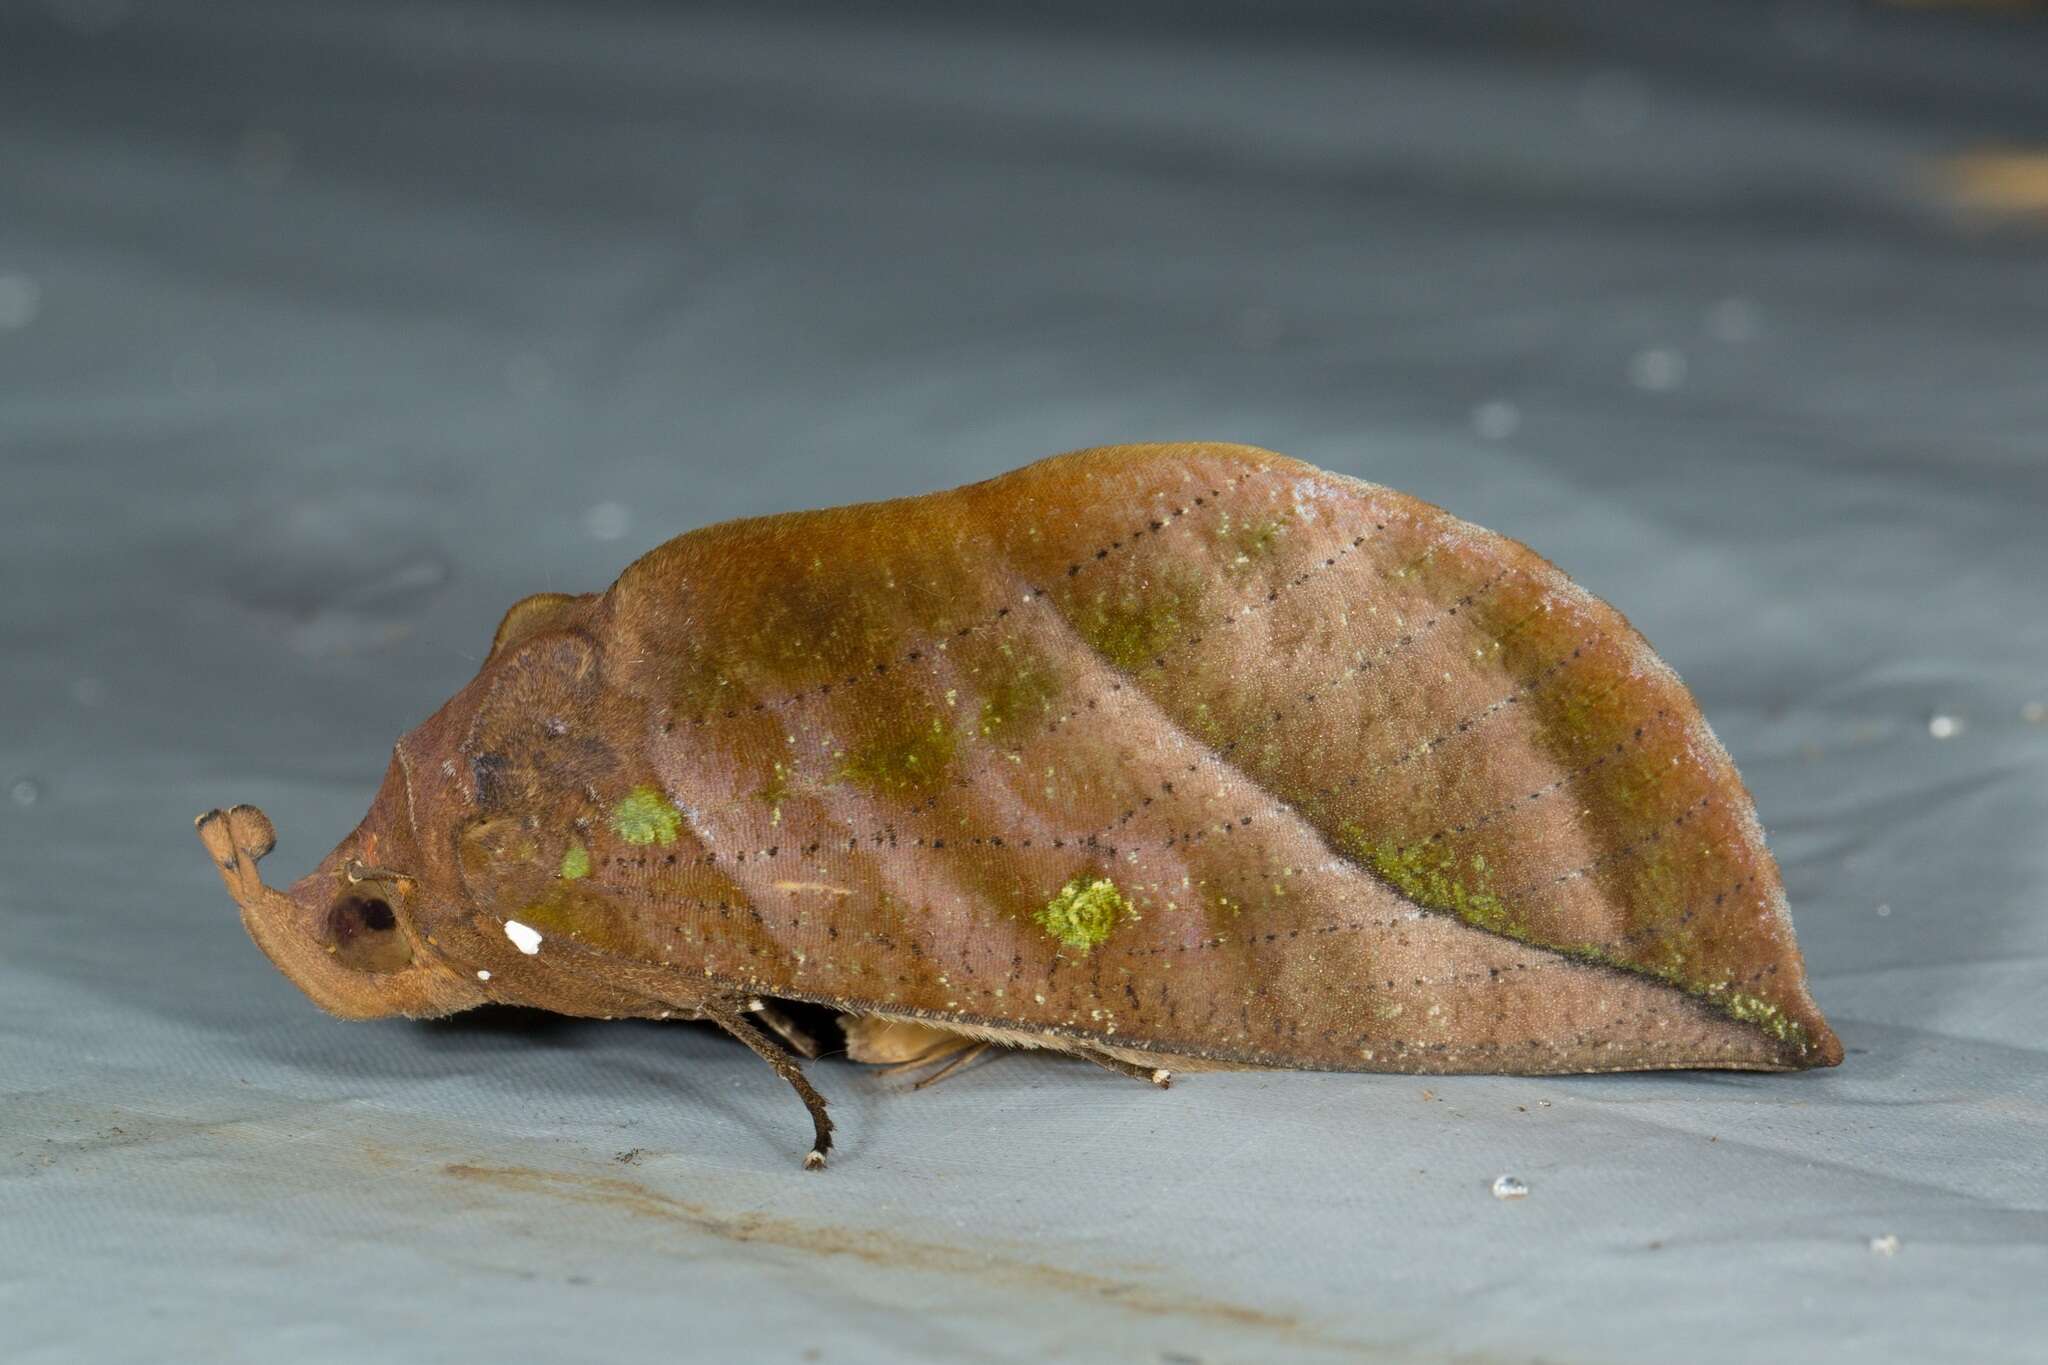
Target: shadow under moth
(1174, 757)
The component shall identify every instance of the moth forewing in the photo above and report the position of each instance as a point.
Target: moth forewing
(1154, 754)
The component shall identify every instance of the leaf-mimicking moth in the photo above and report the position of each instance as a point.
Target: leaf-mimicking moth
(1173, 757)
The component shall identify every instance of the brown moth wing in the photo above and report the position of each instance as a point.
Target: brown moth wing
(1375, 789)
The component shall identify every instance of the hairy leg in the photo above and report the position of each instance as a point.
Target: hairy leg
(729, 1015)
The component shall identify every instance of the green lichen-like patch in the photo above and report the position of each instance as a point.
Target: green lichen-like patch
(1021, 691)
(1752, 1009)
(1133, 627)
(495, 840)
(774, 791)
(646, 816)
(1439, 879)
(576, 911)
(916, 761)
(1252, 541)
(1580, 719)
(575, 862)
(1084, 913)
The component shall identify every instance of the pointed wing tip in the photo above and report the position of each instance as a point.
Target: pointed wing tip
(1808, 1044)
(1824, 1050)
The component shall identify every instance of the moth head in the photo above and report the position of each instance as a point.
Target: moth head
(347, 933)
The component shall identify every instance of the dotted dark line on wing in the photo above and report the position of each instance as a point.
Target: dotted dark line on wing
(1480, 717)
(1521, 803)
(918, 655)
(1615, 854)
(889, 836)
(1361, 667)
(1159, 661)
(1308, 698)
(1518, 1053)
(835, 933)
(1464, 727)
(1095, 842)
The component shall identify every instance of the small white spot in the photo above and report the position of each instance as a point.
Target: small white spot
(524, 937)
(1657, 369)
(607, 521)
(21, 298)
(483, 976)
(1884, 911)
(1510, 1187)
(1496, 419)
(1943, 726)
(1887, 1245)
(26, 791)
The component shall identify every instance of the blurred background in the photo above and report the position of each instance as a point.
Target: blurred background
(327, 331)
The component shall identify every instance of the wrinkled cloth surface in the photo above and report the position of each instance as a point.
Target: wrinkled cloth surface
(328, 331)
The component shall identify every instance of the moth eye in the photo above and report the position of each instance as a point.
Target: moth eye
(362, 932)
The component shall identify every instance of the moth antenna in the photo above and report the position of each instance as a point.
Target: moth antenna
(724, 1015)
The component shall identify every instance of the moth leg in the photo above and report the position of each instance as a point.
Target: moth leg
(728, 1018)
(1155, 1075)
(897, 1044)
(958, 1060)
(785, 1028)
(925, 1058)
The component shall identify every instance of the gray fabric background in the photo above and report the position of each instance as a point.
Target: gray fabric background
(327, 331)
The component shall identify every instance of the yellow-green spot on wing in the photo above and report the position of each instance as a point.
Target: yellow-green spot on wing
(1436, 877)
(1253, 541)
(1084, 913)
(914, 762)
(1136, 625)
(1765, 1015)
(645, 816)
(1020, 693)
(575, 861)
(1439, 879)
(576, 911)
(774, 792)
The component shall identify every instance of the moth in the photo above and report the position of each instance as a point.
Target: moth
(1171, 757)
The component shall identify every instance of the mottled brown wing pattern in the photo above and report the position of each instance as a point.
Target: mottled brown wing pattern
(1372, 788)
